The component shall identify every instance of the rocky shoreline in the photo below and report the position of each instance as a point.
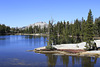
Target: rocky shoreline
(69, 52)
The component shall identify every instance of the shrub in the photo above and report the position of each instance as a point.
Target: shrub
(50, 47)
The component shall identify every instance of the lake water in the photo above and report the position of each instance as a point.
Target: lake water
(13, 53)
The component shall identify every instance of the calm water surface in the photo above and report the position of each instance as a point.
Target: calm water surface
(13, 53)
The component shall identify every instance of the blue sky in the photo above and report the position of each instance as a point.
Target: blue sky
(18, 13)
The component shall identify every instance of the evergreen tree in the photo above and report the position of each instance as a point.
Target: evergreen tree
(77, 29)
(55, 37)
(83, 29)
(68, 27)
(30, 30)
(26, 30)
(58, 32)
(35, 29)
(97, 26)
(38, 29)
(50, 30)
(7, 29)
(64, 38)
(61, 28)
(2, 29)
(44, 29)
(89, 30)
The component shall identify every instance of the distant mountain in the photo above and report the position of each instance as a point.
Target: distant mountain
(41, 24)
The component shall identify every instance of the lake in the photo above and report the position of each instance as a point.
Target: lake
(13, 53)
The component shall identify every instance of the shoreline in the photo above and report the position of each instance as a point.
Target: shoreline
(32, 34)
(84, 53)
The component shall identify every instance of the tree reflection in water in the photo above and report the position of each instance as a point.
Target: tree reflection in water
(51, 59)
(65, 60)
(88, 61)
(71, 61)
(36, 39)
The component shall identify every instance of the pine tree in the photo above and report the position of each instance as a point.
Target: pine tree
(64, 38)
(58, 32)
(39, 29)
(97, 26)
(44, 29)
(30, 30)
(55, 37)
(83, 29)
(50, 33)
(7, 29)
(68, 27)
(77, 29)
(89, 30)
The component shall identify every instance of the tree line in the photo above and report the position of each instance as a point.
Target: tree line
(4, 29)
(29, 30)
(34, 30)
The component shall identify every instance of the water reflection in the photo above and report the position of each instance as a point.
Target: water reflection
(31, 36)
(89, 62)
(70, 61)
(51, 59)
(37, 40)
(65, 60)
